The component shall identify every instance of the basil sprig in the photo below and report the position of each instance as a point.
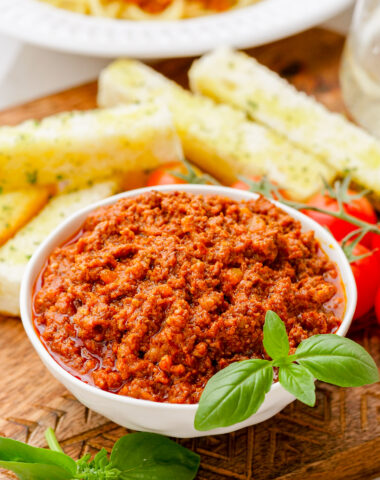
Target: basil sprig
(134, 456)
(237, 392)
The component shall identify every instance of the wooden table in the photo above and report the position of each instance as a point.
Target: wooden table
(338, 439)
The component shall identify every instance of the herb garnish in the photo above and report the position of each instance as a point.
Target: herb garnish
(237, 392)
(135, 456)
(192, 176)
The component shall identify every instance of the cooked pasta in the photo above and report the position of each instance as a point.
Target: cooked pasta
(148, 9)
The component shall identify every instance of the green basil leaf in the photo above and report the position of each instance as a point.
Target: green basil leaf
(234, 394)
(276, 341)
(337, 360)
(14, 451)
(149, 456)
(297, 380)
(36, 471)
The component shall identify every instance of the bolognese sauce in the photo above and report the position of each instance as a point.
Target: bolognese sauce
(157, 293)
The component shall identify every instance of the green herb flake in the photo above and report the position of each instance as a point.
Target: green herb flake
(31, 177)
(252, 104)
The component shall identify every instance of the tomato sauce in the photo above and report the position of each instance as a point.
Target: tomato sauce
(158, 6)
(157, 293)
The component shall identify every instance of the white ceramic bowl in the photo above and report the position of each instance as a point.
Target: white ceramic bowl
(165, 418)
(49, 27)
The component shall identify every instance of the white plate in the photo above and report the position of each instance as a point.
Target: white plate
(268, 20)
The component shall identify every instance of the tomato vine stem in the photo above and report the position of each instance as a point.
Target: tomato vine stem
(52, 441)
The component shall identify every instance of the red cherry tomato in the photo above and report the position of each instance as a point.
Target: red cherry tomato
(367, 276)
(375, 245)
(377, 305)
(360, 208)
(244, 186)
(164, 176)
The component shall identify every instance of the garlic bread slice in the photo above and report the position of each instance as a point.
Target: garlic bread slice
(15, 254)
(74, 148)
(217, 138)
(18, 207)
(239, 80)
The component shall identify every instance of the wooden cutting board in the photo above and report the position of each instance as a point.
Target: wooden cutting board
(338, 439)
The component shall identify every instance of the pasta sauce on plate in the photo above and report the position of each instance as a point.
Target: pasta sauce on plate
(149, 9)
(157, 293)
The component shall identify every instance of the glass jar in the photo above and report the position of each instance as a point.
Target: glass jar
(360, 68)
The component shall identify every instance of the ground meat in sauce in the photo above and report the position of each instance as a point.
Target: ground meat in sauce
(159, 292)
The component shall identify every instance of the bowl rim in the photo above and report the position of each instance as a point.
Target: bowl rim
(47, 246)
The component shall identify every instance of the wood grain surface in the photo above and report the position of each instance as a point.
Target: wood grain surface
(337, 439)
